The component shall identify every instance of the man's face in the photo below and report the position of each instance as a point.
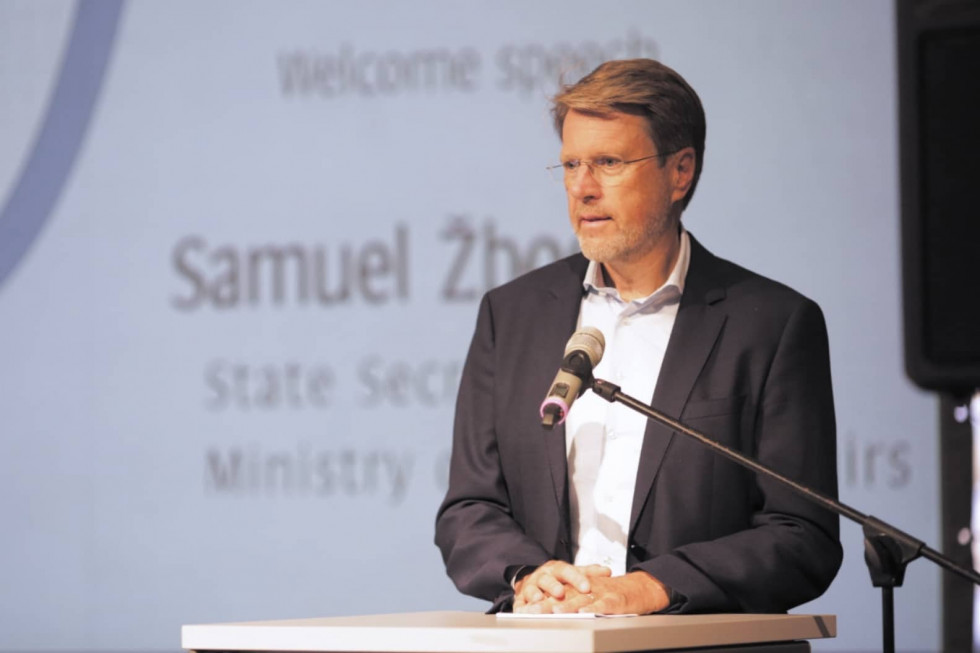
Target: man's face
(625, 219)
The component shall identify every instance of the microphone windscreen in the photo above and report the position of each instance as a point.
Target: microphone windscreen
(588, 340)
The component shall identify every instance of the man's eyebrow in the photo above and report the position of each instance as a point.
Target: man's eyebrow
(599, 155)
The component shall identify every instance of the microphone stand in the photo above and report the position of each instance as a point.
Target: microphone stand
(887, 550)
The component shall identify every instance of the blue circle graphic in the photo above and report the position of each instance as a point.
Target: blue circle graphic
(70, 110)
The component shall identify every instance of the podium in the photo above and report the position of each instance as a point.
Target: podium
(468, 632)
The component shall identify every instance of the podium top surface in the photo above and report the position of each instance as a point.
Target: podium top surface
(469, 632)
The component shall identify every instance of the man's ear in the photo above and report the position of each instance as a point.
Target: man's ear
(682, 172)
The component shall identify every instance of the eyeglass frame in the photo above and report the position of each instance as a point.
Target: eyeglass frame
(589, 163)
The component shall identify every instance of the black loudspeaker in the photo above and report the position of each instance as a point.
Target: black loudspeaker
(939, 122)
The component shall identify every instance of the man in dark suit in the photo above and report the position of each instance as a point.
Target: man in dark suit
(608, 513)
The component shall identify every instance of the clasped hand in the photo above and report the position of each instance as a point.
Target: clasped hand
(559, 587)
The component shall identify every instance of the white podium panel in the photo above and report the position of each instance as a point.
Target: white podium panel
(467, 632)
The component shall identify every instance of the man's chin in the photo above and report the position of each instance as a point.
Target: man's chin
(600, 252)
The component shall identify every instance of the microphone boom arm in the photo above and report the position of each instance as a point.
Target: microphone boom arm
(887, 550)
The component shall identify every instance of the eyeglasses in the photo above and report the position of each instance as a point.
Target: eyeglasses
(606, 170)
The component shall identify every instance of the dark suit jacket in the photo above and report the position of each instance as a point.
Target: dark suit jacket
(747, 363)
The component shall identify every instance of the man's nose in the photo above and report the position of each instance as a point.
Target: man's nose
(582, 183)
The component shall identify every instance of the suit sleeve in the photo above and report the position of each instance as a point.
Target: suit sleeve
(482, 544)
(790, 552)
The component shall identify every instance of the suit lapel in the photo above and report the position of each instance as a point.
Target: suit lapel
(559, 316)
(694, 334)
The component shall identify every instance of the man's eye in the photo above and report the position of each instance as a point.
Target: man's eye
(571, 166)
(608, 162)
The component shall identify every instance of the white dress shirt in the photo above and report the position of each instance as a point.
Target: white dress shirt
(603, 440)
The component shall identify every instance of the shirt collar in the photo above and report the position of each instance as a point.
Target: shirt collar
(594, 281)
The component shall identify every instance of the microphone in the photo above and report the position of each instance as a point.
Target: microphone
(582, 353)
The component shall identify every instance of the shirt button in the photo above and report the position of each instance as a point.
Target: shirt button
(607, 561)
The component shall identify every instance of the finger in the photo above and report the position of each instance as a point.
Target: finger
(531, 593)
(573, 576)
(576, 603)
(542, 607)
(607, 604)
(552, 586)
(596, 570)
(596, 606)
